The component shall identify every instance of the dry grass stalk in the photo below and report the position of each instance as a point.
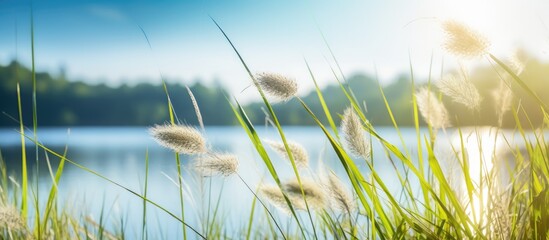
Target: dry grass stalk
(463, 41)
(299, 153)
(460, 90)
(432, 109)
(354, 134)
(179, 138)
(501, 221)
(217, 164)
(277, 86)
(340, 196)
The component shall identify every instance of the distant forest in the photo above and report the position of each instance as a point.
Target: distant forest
(62, 102)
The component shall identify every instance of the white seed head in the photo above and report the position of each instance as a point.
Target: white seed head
(196, 108)
(463, 41)
(179, 138)
(503, 98)
(276, 198)
(518, 61)
(432, 109)
(460, 90)
(314, 194)
(354, 134)
(340, 196)
(11, 220)
(299, 153)
(216, 164)
(278, 87)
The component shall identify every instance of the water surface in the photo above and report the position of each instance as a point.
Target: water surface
(119, 154)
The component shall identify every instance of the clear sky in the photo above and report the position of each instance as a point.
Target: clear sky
(100, 41)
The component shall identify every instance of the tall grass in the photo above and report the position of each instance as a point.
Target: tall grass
(456, 195)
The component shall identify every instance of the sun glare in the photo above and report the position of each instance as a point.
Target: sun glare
(503, 21)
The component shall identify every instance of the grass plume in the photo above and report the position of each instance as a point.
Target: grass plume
(463, 41)
(12, 222)
(503, 98)
(518, 60)
(278, 87)
(354, 134)
(216, 164)
(340, 196)
(432, 109)
(179, 138)
(275, 197)
(460, 90)
(315, 196)
(299, 153)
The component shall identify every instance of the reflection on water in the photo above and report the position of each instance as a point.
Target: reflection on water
(119, 154)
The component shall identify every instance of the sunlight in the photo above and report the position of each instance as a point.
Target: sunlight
(484, 150)
(478, 14)
(480, 149)
(509, 25)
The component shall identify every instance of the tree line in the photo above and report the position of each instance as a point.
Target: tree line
(61, 102)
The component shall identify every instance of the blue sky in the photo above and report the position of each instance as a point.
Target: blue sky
(100, 41)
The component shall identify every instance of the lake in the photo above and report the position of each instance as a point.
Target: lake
(119, 154)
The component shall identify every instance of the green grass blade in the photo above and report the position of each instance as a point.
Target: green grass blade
(251, 219)
(114, 183)
(252, 134)
(406, 187)
(173, 119)
(23, 157)
(277, 125)
(418, 133)
(34, 113)
(54, 188)
(145, 191)
(520, 82)
(322, 101)
(354, 175)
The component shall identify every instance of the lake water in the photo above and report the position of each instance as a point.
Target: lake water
(119, 154)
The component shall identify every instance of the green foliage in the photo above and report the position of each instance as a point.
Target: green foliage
(516, 210)
(70, 103)
(67, 103)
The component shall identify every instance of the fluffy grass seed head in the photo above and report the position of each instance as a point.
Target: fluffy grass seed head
(11, 220)
(273, 194)
(460, 90)
(278, 87)
(179, 138)
(518, 61)
(503, 98)
(301, 157)
(432, 109)
(354, 134)
(216, 164)
(463, 41)
(339, 195)
(314, 194)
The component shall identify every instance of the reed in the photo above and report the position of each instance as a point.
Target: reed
(480, 207)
